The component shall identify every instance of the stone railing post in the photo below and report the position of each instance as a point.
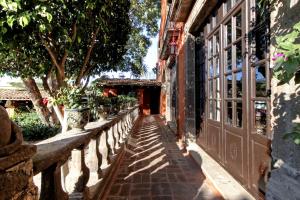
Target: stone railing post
(52, 186)
(122, 137)
(93, 161)
(103, 149)
(111, 141)
(123, 129)
(117, 136)
(78, 176)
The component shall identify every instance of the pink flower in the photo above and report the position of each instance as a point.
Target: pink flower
(279, 55)
(45, 101)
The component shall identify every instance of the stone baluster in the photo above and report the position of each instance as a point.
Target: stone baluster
(111, 141)
(129, 122)
(123, 128)
(52, 187)
(103, 149)
(121, 131)
(126, 126)
(93, 161)
(78, 176)
(117, 136)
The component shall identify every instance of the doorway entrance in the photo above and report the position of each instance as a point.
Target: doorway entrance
(235, 126)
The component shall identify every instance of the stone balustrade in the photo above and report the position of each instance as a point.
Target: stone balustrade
(80, 164)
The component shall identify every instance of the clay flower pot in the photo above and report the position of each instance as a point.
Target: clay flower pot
(103, 111)
(77, 118)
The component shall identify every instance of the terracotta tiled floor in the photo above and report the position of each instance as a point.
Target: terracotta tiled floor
(155, 168)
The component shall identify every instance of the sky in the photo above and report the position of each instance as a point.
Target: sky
(150, 61)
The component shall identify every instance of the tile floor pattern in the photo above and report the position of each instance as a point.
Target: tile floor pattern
(154, 168)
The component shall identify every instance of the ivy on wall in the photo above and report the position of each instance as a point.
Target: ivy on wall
(287, 58)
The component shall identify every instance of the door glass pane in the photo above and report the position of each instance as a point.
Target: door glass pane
(211, 68)
(218, 88)
(260, 108)
(239, 55)
(238, 26)
(211, 108)
(217, 66)
(217, 43)
(228, 5)
(239, 114)
(239, 84)
(261, 81)
(218, 110)
(210, 48)
(211, 87)
(229, 32)
(228, 59)
(229, 112)
(229, 86)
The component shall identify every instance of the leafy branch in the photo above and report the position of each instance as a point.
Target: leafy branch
(294, 134)
(288, 57)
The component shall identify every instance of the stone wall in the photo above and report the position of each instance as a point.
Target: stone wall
(284, 182)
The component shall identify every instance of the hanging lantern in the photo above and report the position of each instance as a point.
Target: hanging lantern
(173, 45)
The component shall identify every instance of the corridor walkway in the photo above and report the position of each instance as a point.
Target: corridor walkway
(154, 168)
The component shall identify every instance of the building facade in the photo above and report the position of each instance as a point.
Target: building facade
(219, 90)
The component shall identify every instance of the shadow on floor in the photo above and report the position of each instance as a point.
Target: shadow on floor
(155, 168)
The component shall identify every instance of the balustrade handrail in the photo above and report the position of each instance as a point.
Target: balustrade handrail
(80, 164)
(51, 150)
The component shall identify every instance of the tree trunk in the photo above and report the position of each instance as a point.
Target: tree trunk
(47, 117)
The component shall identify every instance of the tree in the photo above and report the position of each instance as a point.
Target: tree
(61, 39)
(144, 16)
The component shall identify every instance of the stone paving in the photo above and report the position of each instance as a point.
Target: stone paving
(155, 168)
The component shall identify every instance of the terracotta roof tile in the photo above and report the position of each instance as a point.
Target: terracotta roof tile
(133, 82)
(16, 94)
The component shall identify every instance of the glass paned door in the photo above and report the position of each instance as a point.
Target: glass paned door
(233, 72)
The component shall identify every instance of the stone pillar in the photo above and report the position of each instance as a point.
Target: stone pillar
(190, 106)
(284, 182)
(16, 168)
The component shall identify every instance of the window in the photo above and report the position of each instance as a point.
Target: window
(233, 70)
(260, 72)
(214, 82)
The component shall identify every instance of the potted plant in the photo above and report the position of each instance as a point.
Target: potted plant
(104, 107)
(76, 111)
(115, 105)
(99, 104)
(122, 99)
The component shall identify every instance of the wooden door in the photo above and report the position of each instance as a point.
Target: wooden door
(235, 91)
(259, 98)
(237, 129)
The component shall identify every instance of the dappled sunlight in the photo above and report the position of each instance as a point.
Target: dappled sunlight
(148, 150)
(155, 167)
(150, 165)
(157, 152)
(147, 145)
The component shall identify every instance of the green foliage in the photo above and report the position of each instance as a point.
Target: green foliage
(288, 56)
(294, 134)
(32, 127)
(123, 99)
(144, 16)
(27, 27)
(70, 96)
(96, 98)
